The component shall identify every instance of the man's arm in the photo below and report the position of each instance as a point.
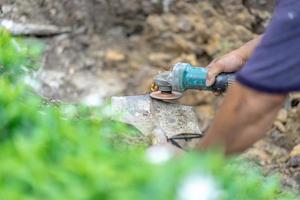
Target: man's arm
(232, 61)
(271, 73)
(243, 119)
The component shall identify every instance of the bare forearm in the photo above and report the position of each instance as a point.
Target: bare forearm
(247, 49)
(232, 61)
(243, 118)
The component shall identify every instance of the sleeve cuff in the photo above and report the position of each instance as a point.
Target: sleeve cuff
(263, 88)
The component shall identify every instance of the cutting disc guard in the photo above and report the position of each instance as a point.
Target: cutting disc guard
(165, 95)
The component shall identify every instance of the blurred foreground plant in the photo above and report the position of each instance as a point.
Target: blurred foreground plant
(17, 56)
(45, 154)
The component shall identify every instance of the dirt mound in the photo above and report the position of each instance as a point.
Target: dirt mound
(134, 38)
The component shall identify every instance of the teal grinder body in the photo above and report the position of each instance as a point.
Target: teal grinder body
(185, 76)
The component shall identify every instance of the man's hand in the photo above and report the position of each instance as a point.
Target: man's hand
(232, 61)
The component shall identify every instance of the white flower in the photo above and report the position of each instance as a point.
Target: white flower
(198, 187)
(158, 154)
(93, 100)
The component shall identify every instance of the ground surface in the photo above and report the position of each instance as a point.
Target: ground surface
(116, 47)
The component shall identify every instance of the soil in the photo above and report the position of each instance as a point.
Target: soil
(116, 47)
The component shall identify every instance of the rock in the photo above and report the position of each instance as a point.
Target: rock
(196, 97)
(182, 44)
(52, 78)
(290, 182)
(97, 88)
(282, 115)
(213, 44)
(257, 155)
(114, 56)
(295, 151)
(295, 95)
(159, 58)
(294, 161)
(184, 25)
(279, 126)
(205, 111)
(28, 29)
(189, 58)
(265, 152)
(294, 100)
(7, 8)
(155, 22)
(149, 115)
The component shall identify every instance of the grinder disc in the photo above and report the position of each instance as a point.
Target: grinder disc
(165, 95)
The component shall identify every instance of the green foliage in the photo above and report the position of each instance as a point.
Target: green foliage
(67, 152)
(15, 56)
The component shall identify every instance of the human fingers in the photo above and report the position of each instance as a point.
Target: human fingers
(214, 69)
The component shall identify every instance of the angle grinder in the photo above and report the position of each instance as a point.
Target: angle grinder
(184, 76)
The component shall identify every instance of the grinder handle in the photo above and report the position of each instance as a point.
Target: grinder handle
(222, 82)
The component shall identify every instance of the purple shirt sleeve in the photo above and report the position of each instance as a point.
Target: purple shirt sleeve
(274, 66)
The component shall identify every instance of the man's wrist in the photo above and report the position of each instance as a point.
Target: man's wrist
(240, 55)
(247, 49)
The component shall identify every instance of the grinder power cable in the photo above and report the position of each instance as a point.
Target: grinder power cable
(184, 76)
